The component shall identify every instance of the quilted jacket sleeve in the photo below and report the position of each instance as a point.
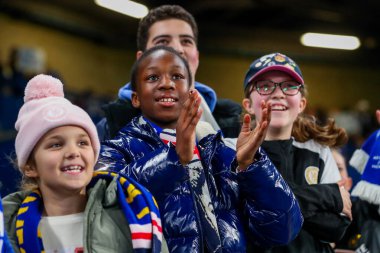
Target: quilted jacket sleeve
(269, 208)
(151, 168)
(273, 214)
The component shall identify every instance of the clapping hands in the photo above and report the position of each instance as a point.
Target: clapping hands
(249, 140)
(185, 131)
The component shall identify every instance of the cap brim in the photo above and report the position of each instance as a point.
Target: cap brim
(282, 68)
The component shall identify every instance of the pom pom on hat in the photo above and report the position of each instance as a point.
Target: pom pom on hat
(42, 86)
(46, 108)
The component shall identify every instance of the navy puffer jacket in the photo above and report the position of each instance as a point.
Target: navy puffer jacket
(255, 206)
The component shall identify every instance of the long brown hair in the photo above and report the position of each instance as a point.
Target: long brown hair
(306, 127)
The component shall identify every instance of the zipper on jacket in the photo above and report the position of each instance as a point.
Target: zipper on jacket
(198, 218)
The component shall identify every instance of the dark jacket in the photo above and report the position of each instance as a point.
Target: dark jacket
(310, 171)
(105, 228)
(258, 198)
(363, 234)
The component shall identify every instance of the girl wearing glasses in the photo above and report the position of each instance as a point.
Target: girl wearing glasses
(300, 150)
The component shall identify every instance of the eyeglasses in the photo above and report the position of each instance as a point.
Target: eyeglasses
(267, 87)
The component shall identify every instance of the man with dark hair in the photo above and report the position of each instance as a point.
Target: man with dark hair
(172, 26)
(163, 12)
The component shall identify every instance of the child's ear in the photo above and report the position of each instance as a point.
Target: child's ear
(135, 100)
(138, 54)
(246, 103)
(303, 104)
(30, 171)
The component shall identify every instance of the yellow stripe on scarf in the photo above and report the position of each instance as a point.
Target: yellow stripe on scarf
(143, 212)
(20, 236)
(132, 193)
(122, 180)
(19, 223)
(100, 173)
(154, 201)
(22, 210)
(29, 199)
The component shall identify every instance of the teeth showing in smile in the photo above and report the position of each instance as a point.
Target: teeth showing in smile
(73, 168)
(278, 108)
(167, 100)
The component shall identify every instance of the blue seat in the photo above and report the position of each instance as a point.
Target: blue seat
(10, 177)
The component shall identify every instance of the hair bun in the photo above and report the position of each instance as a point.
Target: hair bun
(43, 86)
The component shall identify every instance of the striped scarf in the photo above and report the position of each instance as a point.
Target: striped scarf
(202, 195)
(138, 205)
(366, 161)
(5, 246)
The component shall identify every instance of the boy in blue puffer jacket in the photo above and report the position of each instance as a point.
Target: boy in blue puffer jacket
(211, 198)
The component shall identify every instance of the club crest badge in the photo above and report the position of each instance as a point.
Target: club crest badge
(311, 175)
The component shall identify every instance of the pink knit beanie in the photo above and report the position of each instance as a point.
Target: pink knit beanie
(46, 108)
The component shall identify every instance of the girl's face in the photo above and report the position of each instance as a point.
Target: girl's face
(162, 87)
(285, 108)
(62, 161)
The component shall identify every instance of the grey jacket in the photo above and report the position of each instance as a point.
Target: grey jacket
(105, 227)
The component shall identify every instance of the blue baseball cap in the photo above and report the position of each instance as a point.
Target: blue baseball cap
(274, 61)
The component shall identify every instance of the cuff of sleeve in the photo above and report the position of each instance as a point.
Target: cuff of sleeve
(256, 159)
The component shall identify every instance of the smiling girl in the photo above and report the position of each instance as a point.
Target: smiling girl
(300, 150)
(64, 206)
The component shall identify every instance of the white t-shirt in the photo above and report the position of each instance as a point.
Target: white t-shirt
(62, 234)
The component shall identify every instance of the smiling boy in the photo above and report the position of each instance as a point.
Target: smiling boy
(205, 205)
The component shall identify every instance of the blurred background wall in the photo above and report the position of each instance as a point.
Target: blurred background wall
(86, 65)
(93, 48)
(82, 63)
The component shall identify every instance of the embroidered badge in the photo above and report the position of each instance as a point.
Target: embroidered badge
(279, 58)
(311, 174)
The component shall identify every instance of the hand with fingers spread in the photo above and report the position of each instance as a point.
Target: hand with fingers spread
(249, 140)
(186, 124)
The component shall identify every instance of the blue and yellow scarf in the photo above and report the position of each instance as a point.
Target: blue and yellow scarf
(5, 246)
(138, 205)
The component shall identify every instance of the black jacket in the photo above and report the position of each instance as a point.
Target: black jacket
(309, 169)
(363, 234)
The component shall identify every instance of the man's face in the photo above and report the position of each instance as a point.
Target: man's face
(177, 34)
